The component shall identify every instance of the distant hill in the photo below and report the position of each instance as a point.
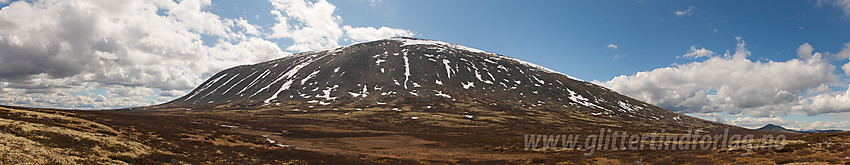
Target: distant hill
(776, 128)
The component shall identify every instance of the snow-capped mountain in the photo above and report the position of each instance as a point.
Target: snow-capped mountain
(397, 71)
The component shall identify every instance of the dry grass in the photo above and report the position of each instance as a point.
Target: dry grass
(374, 135)
(62, 140)
(19, 150)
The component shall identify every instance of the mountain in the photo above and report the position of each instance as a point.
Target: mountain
(776, 128)
(431, 78)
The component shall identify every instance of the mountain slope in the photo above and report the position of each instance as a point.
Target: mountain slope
(408, 74)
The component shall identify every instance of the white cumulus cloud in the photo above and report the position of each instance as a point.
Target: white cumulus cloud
(612, 46)
(846, 68)
(844, 54)
(313, 26)
(172, 93)
(59, 53)
(371, 33)
(697, 53)
(730, 83)
(830, 102)
(805, 51)
(685, 12)
(51, 48)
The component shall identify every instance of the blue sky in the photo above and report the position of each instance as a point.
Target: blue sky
(641, 41)
(572, 36)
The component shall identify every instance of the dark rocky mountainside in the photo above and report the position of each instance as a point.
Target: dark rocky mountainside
(409, 74)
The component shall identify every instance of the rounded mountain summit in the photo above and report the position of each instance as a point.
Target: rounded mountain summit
(427, 78)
